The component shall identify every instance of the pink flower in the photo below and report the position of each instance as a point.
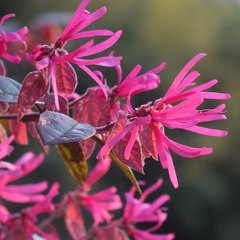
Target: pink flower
(134, 84)
(5, 147)
(137, 210)
(7, 168)
(99, 203)
(27, 192)
(24, 225)
(5, 38)
(54, 55)
(148, 122)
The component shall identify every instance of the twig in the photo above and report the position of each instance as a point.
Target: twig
(25, 118)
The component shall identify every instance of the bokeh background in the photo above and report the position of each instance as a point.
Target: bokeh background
(206, 205)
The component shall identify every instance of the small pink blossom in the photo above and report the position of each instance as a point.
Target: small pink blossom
(134, 84)
(24, 225)
(99, 203)
(27, 192)
(137, 210)
(17, 37)
(5, 147)
(97, 173)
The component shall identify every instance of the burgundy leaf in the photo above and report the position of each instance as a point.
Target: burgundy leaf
(31, 126)
(110, 232)
(19, 230)
(94, 110)
(33, 88)
(52, 231)
(148, 140)
(74, 221)
(66, 78)
(50, 104)
(45, 73)
(87, 147)
(3, 107)
(136, 160)
(2, 68)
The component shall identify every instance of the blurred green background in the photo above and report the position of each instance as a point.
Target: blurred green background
(206, 205)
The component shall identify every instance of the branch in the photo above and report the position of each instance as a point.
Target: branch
(25, 118)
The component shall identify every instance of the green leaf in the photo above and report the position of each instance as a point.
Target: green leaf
(74, 159)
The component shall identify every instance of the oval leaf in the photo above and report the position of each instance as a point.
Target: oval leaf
(148, 140)
(136, 160)
(9, 89)
(74, 220)
(94, 110)
(34, 87)
(57, 128)
(66, 78)
(50, 104)
(74, 159)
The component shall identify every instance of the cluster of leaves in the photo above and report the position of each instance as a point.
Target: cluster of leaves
(41, 105)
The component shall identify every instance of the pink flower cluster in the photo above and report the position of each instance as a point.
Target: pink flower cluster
(6, 38)
(22, 225)
(126, 134)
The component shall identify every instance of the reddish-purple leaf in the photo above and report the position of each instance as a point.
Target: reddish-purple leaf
(3, 107)
(94, 110)
(45, 73)
(136, 160)
(33, 88)
(74, 221)
(2, 68)
(66, 78)
(50, 104)
(19, 231)
(31, 126)
(110, 232)
(148, 140)
(51, 231)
